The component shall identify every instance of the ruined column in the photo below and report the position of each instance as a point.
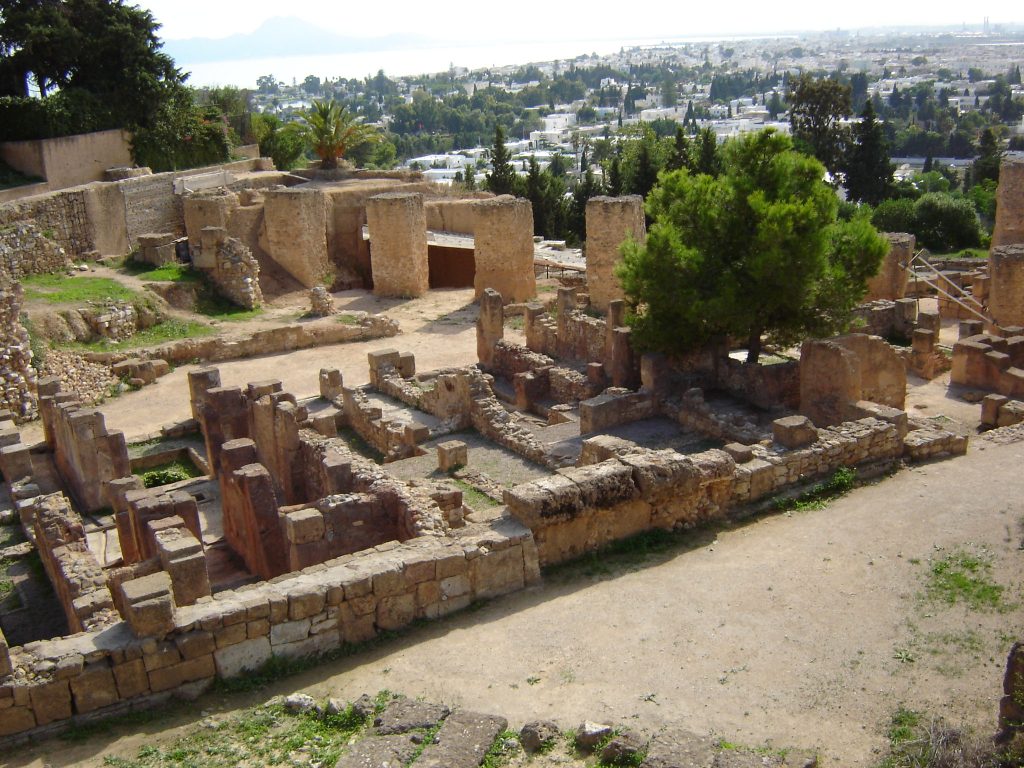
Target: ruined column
(490, 327)
(610, 222)
(1009, 225)
(503, 248)
(200, 381)
(890, 282)
(17, 376)
(296, 222)
(398, 244)
(1006, 292)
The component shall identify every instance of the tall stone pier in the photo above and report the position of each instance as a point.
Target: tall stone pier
(503, 248)
(1009, 226)
(398, 244)
(1006, 293)
(890, 282)
(610, 222)
(296, 222)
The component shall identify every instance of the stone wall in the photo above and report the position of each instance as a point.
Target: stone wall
(296, 224)
(17, 376)
(1006, 288)
(992, 363)
(234, 270)
(610, 222)
(891, 280)
(25, 250)
(836, 373)
(457, 216)
(85, 454)
(62, 216)
(68, 161)
(1009, 225)
(347, 600)
(503, 248)
(76, 576)
(398, 244)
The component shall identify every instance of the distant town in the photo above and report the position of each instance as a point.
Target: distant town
(933, 90)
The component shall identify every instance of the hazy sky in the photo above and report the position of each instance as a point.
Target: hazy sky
(482, 20)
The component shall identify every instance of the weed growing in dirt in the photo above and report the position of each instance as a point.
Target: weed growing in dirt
(962, 576)
(170, 472)
(502, 750)
(267, 735)
(916, 741)
(474, 497)
(346, 319)
(841, 483)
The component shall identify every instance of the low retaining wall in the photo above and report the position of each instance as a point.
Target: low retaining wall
(314, 612)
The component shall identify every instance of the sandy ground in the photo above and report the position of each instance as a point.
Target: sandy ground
(804, 630)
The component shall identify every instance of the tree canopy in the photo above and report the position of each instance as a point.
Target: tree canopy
(815, 110)
(101, 56)
(756, 250)
(331, 131)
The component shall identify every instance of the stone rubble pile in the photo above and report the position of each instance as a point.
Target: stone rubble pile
(92, 382)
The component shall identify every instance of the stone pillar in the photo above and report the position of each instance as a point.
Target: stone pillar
(621, 362)
(331, 383)
(610, 222)
(616, 318)
(200, 381)
(1006, 293)
(1009, 226)
(398, 244)
(891, 280)
(490, 327)
(17, 376)
(503, 248)
(296, 222)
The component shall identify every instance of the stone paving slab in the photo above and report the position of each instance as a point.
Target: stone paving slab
(404, 715)
(462, 741)
(380, 752)
(679, 748)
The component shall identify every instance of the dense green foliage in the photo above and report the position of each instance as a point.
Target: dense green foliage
(332, 132)
(756, 250)
(815, 110)
(502, 179)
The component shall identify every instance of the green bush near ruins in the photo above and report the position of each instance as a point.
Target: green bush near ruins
(756, 250)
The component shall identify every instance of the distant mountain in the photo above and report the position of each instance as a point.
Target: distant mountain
(281, 36)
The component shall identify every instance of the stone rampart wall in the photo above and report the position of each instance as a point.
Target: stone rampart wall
(25, 250)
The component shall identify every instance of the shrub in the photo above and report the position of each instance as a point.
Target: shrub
(945, 223)
(894, 215)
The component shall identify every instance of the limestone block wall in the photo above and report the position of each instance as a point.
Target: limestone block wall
(989, 362)
(63, 216)
(693, 413)
(208, 208)
(17, 376)
(296, 225)
(25, 250)
(1006, 288)
(457, 216)
(77, 578)
(151, 206)
(610, 222)
(891, 280)
(86, 455)
(347, 600)
(1009, 224)
(398, 244)
(394, 439)
(503, 248)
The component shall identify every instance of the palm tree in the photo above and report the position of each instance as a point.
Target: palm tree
(331, 131)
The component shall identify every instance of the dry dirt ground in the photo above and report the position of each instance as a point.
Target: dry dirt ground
(806, 629)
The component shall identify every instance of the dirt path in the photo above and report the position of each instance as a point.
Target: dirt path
(804, 630)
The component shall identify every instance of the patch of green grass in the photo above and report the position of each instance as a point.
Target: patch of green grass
(515, 322)
(171, 329)
(841, 483)
(964, 577)
(501, 750)
(267, 735)
(62, 289)
(347, 319)
(168, 273)
(213, 305)
(6, 584)
(170, 472)
(474, 497)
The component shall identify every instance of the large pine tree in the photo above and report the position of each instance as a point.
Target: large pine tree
(866, 165)
(502, 178)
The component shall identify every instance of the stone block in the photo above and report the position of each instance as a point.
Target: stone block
(196, 643)
(94, 688)
(739, 452)
(451, 455)
(289, 632)
(16, 720)
(794, 432)
(396, 611)
(309, 601)
(990, 407)
(51, 701)
(148, 605)
(304, 526)
(247, 656)
(183, 672)
(131, 678)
